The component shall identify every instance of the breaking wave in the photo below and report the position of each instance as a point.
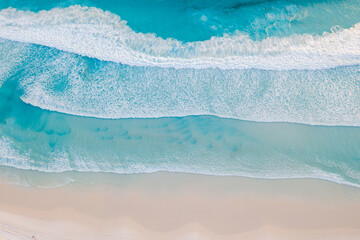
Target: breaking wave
(100, 34)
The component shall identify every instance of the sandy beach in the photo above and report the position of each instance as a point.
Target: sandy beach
(182, 206)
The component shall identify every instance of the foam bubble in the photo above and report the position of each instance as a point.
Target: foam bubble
(100, 34)
(71, 84)
(13, 54)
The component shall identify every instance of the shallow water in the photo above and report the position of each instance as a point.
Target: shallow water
(33, 138)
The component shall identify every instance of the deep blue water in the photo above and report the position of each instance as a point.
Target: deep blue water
(254, 88)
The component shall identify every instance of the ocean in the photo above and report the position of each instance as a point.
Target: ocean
(255, 88)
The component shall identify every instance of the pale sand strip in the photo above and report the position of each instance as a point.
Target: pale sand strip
(183, 206)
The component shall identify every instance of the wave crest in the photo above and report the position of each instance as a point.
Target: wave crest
(100, 34)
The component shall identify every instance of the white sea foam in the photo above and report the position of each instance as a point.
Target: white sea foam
(321, 97)
(13, 54)
(100, 34)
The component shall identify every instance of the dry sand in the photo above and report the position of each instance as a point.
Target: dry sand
(182, 206)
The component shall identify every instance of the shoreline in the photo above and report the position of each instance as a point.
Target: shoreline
(182, 206)
(19, 177)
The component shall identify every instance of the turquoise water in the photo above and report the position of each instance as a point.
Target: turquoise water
(267, 89)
